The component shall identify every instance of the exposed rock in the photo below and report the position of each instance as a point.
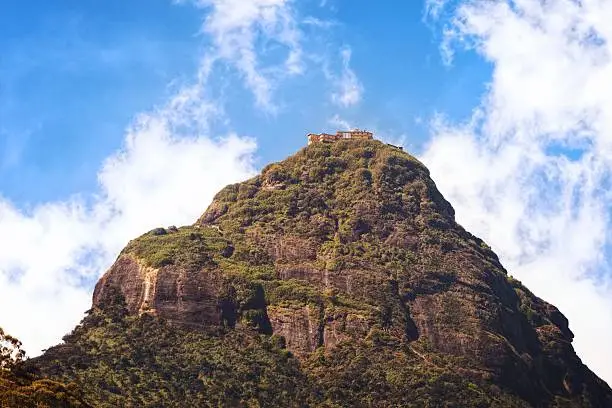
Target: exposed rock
(351, 254)
(171, 292)
(300, 326)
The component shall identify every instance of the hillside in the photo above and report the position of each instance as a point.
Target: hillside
(336, 278)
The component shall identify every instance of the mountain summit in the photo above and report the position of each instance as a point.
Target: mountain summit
(335, 278)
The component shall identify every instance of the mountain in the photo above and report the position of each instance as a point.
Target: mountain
(335, 278)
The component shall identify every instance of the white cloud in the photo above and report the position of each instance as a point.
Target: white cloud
(251, 36)
(433, 8)
(531, 171)
(163, 176)
(340, 123)
(348, 88)
(169, 168)
(317, 22)
(236, 27)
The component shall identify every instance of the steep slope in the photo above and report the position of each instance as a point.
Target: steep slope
(129, 361)
(350, 253)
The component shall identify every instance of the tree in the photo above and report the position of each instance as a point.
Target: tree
(21, 388)
(10, 351)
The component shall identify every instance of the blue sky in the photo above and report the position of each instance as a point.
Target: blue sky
(120, 116)
(74, 74)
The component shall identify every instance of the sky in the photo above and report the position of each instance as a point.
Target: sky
(120, 116)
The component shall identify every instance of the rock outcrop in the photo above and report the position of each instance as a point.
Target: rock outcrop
(351, 254)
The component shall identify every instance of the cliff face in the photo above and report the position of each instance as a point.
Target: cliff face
(350, 253)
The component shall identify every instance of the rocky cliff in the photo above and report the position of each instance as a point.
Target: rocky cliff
(349, 261)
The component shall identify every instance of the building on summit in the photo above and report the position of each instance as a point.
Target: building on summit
(340, 135)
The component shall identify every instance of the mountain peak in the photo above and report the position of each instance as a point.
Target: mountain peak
(349, 254)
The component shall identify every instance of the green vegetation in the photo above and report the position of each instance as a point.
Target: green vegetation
(20, 388)
(128, 361)
(379, 372)
(350, 251)
(191, 247)
(121, 360)
(11, 353)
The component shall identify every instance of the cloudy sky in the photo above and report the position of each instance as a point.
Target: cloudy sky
(120, 116)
